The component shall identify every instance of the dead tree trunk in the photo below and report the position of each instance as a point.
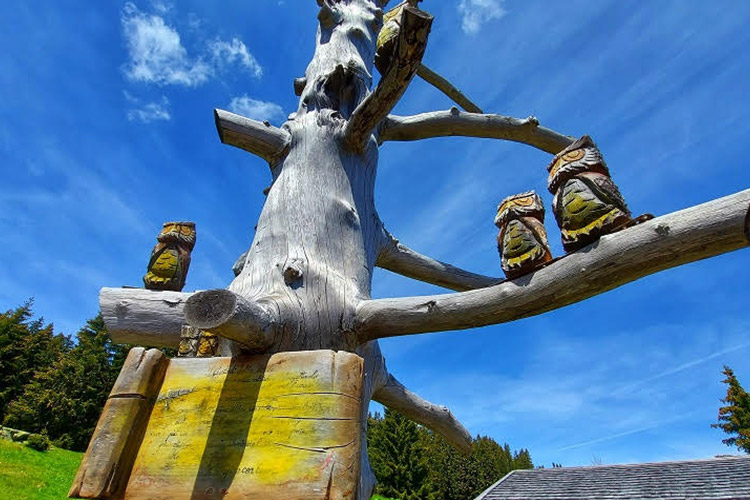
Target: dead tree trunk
(306, 280)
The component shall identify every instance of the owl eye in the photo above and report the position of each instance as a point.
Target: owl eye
(573, 155)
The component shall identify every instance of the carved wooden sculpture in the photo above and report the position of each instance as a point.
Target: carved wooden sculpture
(587, 203)
(386, 43)
(306, 280)
(170, 258)
(522, 241)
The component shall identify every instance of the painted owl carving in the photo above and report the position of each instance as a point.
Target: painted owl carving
(170, 258)
(388, 34)
(587, 204)
(522, 241)
(188, 347)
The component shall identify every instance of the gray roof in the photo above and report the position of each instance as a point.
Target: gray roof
(720, 478)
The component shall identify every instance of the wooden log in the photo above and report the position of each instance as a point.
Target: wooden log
(259, 138)
(671, 240)
(145, 317)
(108, 461)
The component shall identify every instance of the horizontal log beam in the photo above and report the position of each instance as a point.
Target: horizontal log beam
(143, 317)
(458, 123)
(260, 138)
(696, 233)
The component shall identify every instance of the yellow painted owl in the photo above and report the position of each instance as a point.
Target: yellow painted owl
(587, 204)
(170, 258)
(522, 241)
(388, 34)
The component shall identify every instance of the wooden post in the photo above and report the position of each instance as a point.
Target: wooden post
(106, 466)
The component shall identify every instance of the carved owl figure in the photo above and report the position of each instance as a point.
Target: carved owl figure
(388, 34)
(170, 258)
(522, 241)
(188, 347)
(208, 345)
(587, 204)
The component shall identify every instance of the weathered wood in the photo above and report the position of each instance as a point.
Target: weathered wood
(402, 66)
(145, 317)
(692, 234)
(140, 375)
(438, 418)
(170, 258)
(458, 123)
(233, 317)
(108, 461)
(400, 259)
(265, 427)
(260, 138)
(447, 88)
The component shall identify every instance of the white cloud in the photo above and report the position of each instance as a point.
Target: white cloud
(156, 52)
(148, 112)
(475, 13)
(224, 52)
(158, 56)
(257, 110)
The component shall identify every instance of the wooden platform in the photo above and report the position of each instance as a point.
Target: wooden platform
(272, 427)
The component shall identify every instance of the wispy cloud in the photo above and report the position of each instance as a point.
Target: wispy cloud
(146, 112)
(158, 56)
(255, 109)
(224, 52)
(474, 13)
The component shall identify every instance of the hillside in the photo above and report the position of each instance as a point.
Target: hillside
(26, 474)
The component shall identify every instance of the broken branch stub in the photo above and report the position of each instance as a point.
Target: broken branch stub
(231, 316)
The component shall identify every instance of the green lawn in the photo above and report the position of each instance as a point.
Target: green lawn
(26, 474)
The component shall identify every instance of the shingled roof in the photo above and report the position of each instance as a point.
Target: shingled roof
(720, 478)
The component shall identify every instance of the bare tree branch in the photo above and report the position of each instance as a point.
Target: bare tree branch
(455, 122)
(143, 317)
(260, 138)
(231, 316)
(438, 418)
(410, 47)
(688, 235)
(447, 88)
(406, 262)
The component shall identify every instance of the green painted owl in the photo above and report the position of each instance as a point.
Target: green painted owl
(170, 258)
(522, 241)
(587, 204)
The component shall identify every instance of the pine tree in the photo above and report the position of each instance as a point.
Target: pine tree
(457, 477)
(522, 460)
(734, 416)
(26, 346)
(65, 399)
(397, 456)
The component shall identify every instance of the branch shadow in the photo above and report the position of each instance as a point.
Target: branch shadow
(227, 439)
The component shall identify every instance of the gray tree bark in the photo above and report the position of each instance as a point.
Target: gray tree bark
(306, 279)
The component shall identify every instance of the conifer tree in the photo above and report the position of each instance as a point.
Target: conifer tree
(734, 416)
(26, 346)
(397, 456)
(65, 399)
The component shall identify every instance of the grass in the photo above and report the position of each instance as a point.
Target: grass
(26, 474)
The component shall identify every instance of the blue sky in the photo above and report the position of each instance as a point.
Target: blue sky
(106, 131)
